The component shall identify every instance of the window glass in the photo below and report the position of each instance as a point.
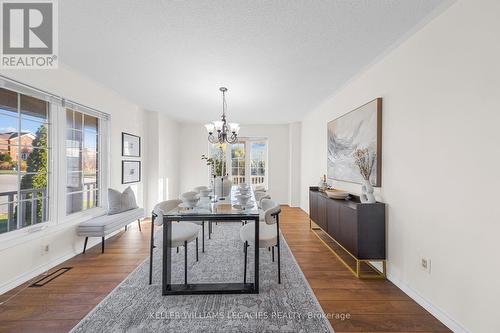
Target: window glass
(24, 160)
(82, 161)
(258, 154)
(238, 163)
(246, 163)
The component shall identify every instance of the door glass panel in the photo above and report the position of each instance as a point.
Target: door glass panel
(238, 163)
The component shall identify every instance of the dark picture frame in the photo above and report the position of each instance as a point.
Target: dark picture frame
(131, 142)
(127, 165)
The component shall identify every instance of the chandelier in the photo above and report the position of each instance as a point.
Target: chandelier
(225, 132)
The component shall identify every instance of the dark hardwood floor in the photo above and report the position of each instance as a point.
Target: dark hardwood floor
(370, 305)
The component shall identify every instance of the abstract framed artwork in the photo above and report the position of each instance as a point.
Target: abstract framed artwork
(359, 129)
(131, 172)
(131, 145)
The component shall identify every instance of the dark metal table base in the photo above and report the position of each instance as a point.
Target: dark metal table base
(205, 288)
(210, 288)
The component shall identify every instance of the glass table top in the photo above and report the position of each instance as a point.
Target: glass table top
(213, 206)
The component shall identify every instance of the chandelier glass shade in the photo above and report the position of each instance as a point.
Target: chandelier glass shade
(219, 131)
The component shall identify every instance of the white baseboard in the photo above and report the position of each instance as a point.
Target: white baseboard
(34, 273)
(436, 312)
(45, 267)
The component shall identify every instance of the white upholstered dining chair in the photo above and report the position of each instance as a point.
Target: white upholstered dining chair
(269, 230)
(195, 194)
(182, 233)
(259, 196)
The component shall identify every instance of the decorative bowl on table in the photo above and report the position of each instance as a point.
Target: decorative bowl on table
(244, 190)
(242, 207)
(204, 193)
(337, 194)
(243, 199)
(190, 199)
(190, 194)
(190, 202)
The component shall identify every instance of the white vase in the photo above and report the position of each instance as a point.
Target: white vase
(222, 186)
(367, 192)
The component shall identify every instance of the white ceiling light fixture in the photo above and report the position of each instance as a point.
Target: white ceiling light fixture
(226, 133)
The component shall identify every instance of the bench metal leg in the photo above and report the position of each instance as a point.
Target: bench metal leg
(102, 245)
(125, 228)
(85, 244)
(139, 222)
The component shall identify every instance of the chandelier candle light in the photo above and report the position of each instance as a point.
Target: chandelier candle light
(226, 133)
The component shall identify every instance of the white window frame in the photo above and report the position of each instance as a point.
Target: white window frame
(248, 145)
(5, 238)
(103, 165)
(56, 186)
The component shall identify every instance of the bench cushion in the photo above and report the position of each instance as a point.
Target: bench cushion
(105, 224)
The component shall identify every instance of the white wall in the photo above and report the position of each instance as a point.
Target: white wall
(152, 169)
(125, 116)
(162, 151)
(294, 164)
(169, 150)
(22, 258)
(441, 97)
(193, 144)
(194, 172)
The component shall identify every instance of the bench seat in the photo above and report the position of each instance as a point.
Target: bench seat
(103, 225)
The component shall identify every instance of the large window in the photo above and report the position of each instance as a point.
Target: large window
(82, 161)
(51, 159)
(246, 163)
(24, 160)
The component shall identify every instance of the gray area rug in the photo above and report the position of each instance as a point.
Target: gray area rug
(136, 306)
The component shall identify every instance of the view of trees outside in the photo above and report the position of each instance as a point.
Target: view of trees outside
(36, 176)
(23, 160)
(82, 160)
(238, 162)
(258, 153)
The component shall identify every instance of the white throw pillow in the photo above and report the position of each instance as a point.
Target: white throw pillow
(120, 202)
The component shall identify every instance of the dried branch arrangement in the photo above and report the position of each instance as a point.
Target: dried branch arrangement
(364, 162)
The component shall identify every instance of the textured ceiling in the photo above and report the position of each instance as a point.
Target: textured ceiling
(279, 59)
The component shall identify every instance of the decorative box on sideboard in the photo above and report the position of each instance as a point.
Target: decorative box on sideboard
(356, 229)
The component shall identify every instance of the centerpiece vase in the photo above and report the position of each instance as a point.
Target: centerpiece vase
(222, 187)
(367, 192)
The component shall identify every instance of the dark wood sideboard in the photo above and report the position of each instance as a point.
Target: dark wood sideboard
(358, 228)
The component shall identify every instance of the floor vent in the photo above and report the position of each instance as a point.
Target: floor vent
(46, 279)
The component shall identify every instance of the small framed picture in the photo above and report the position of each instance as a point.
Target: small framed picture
(131, 145)
(131, 172)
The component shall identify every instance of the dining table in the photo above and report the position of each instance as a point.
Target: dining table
(210, 209)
